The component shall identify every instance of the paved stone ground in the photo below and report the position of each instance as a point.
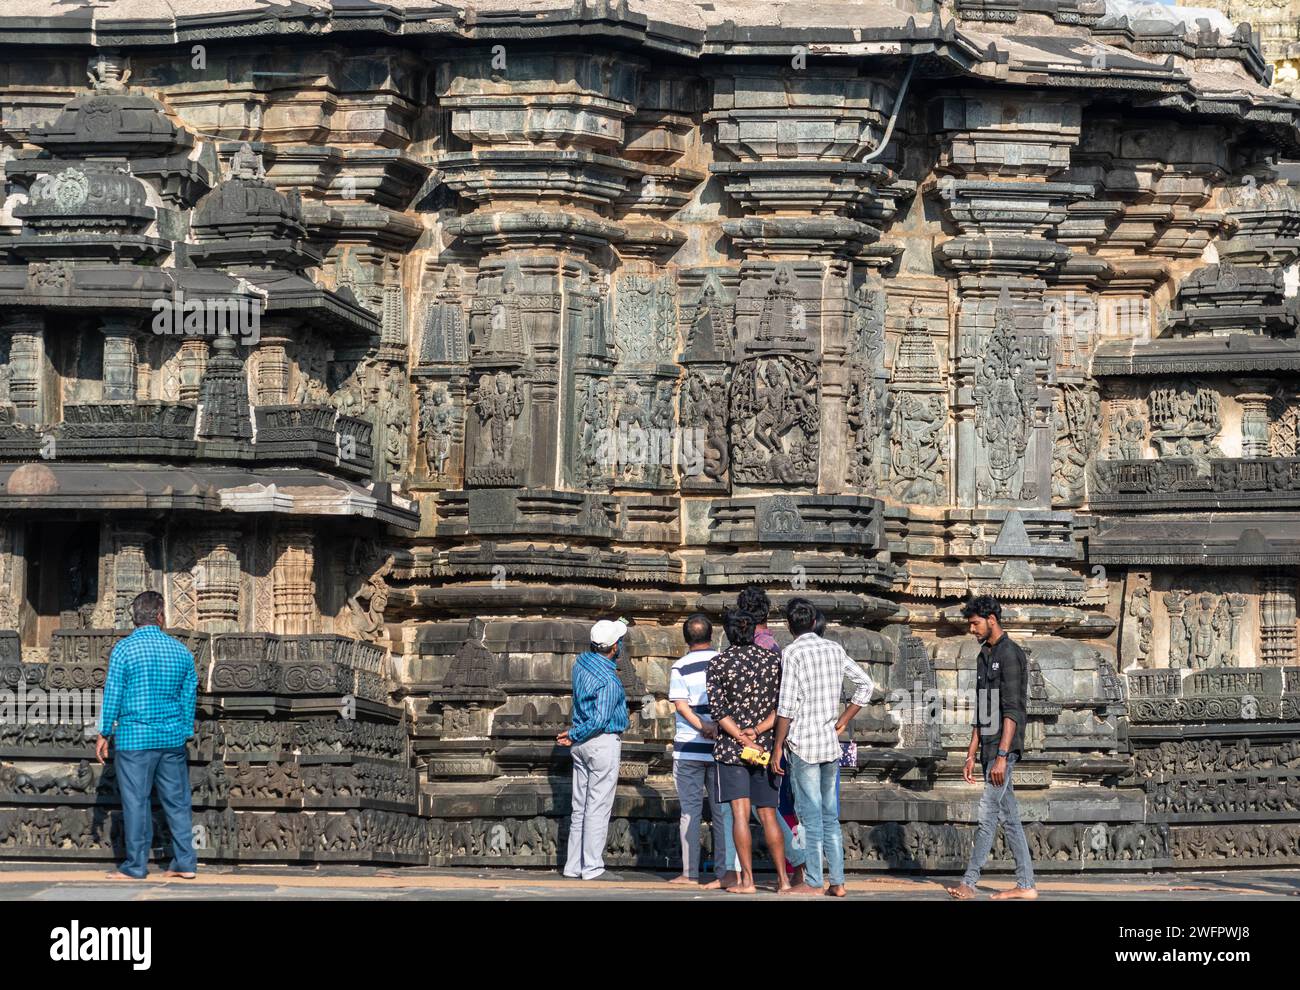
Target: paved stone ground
(43, 882)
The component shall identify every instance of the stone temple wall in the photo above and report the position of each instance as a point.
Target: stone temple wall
(598, 309)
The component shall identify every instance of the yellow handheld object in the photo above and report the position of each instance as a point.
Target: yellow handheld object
(758, 756)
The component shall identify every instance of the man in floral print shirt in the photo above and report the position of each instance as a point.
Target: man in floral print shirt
(744, 682)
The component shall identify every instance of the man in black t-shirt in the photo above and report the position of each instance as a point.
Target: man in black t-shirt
(1001, 684)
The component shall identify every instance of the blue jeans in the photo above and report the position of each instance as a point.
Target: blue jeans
(138, 772)
(817, 803)
(998, 804)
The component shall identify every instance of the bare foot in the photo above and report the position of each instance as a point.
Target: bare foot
(119, 875)
(178, 874)
(740, 887)
(962, 892)
(801, 890)
(714, 884)
(730, 879)
(683, 879)
(1016, 894)
(797, 877)
(837, 890)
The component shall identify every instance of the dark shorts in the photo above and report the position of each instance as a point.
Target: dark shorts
(754, 783)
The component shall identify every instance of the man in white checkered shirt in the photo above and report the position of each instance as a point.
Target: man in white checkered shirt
(807, 731)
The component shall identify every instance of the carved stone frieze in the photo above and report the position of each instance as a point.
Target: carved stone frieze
(618, 322)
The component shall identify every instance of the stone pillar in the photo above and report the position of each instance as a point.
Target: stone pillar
(1231, 655)
(999, 155)
(217, 582)
(1254, 423)
(272, 366)
(223, 395)
(121, 359)
(1277, 620)
(541, 220)
(804, 191)
(294, 582)
(393, 321)
(132, 570)
(964, 409)
(193, 362)
(27, 364)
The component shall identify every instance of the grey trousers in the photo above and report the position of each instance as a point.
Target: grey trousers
(692, 778)
(998, 805)
(595, 777)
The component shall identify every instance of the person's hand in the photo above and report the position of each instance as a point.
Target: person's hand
(101, 749)
(998, 772)
(775, 763)
(709, 731)
(968, 771)
(749, 736)
(840, 727)
(563, 738)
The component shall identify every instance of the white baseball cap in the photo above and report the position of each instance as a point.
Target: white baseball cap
(606, 633)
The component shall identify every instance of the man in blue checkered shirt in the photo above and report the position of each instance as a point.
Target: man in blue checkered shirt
(148, 712)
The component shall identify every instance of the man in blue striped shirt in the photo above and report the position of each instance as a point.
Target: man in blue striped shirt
(148, 712)
(595, 741)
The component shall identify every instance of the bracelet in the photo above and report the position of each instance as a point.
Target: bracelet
(1003, 753)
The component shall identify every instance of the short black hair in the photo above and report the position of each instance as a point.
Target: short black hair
(754, 600)
(985, 606)
(740, 626)
(800, 616)
(819, 627)
(697, 629)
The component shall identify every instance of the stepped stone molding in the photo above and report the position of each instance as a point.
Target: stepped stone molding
(495, 322)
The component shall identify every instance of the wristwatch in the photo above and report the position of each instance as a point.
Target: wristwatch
(1003, 753)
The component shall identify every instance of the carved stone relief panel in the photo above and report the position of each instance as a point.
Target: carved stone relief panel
(501, 317)
(443, 333)
(1201, 624)
(642, 447)
(595, 441)
(1284, 425)
(917, 428)
(440, 431)
(1127, 430)
(1006, 393)
(1137, 621)
(645, 318)
(705, 457)
(496, 438)
(1184, 420)
(775, 421)
(868, 402)
(1077, 417)
(395, 418)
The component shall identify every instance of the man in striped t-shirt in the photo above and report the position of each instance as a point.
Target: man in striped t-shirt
(693, 766)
